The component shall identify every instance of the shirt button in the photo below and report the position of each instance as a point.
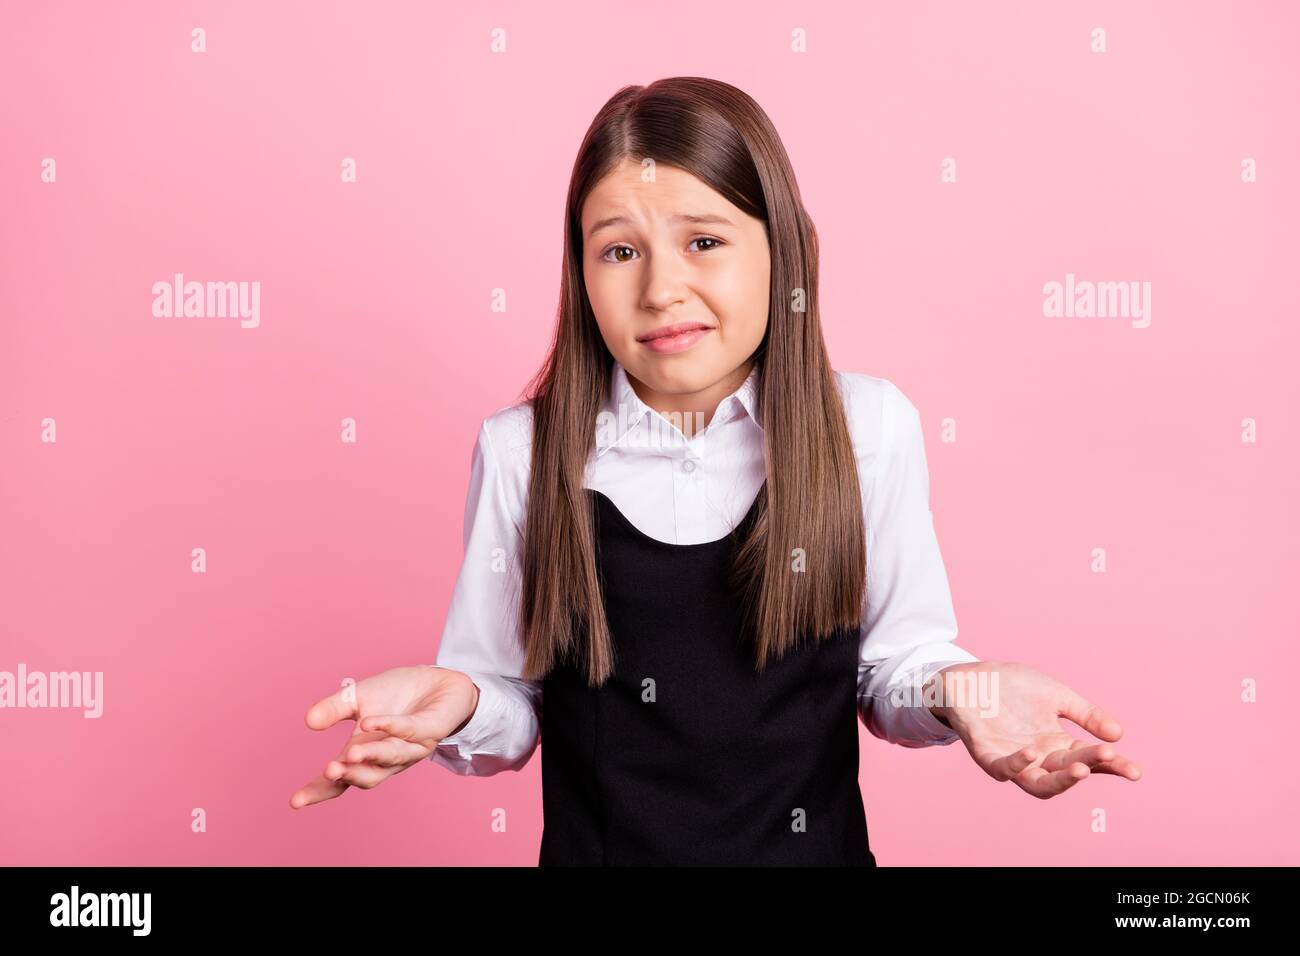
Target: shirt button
(688, 466)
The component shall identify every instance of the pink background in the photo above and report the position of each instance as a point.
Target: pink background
(328, 560)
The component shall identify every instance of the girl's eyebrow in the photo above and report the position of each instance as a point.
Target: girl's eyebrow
(600, 224)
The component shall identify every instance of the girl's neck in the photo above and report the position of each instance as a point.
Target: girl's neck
(692, 407)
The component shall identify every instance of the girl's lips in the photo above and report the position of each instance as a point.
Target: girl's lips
(676, 343)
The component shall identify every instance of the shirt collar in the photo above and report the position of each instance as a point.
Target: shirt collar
(623, 410)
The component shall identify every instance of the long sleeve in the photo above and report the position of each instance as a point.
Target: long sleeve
(481, 635)
(909, 624)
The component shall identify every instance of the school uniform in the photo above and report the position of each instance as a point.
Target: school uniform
(687, 755)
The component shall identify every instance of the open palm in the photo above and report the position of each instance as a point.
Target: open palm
(401, 715)
(1015, 732)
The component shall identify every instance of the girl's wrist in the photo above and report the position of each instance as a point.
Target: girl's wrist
(475, 692)
(938, 688)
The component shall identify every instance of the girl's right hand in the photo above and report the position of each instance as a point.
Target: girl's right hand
(401, 716)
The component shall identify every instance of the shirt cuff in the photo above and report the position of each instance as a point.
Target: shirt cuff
(920, 723)
(490, 706)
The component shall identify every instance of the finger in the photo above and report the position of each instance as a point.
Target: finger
(362, 775)
(1044, 784)
(318, 791)
(335, 768)
(1004, 768)
(1120, 766)
(1100, 758)
(389, 752)
(395, 725)
(340, 705)
(1091, 754)
(1092, 718)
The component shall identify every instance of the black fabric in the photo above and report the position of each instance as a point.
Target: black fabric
(714, 770)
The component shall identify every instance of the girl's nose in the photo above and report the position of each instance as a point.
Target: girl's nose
(665, 281)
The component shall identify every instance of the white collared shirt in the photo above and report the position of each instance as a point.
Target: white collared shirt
(689, 491)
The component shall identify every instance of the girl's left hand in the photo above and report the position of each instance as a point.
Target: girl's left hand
(1012, 727)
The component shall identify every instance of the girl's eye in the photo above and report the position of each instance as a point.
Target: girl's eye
(616, 249)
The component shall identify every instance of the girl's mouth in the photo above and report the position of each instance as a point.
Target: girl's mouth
(675, 338)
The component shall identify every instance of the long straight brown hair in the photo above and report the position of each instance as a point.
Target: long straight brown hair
(801, 570)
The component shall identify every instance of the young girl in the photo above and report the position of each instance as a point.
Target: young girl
(696, 555)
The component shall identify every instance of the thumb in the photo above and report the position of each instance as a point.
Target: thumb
(1092, 718)
(340, 705)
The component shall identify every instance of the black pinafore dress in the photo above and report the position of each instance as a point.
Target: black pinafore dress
(686, 755)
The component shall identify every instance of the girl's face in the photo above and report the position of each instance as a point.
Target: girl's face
(673, 251)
